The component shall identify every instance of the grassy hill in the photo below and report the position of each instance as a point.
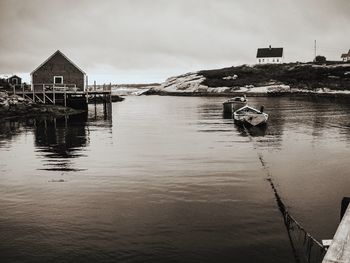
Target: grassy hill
(330, 77)
(296, 75)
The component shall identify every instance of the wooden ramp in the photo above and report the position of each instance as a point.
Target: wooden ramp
(339, 249)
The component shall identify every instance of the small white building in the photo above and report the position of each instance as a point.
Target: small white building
(269, 55)
(346, 57)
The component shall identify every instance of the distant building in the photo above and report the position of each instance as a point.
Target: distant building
(269, 55)
(7, 82)
(346, 57)
(3, 82)
(14, 80)
(58, 70)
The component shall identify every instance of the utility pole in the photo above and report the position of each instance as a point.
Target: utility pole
(315, 51)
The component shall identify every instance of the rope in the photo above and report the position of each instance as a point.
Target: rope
(309, 240)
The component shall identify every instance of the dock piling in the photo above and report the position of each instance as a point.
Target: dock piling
(65, 97)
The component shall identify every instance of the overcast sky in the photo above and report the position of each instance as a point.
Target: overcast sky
(140, 41)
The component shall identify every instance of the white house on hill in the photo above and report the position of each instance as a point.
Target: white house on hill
(346, 57)
(269, 55)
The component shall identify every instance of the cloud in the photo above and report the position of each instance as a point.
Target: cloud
(160, 36)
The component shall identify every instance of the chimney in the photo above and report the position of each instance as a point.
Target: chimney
(270, 47)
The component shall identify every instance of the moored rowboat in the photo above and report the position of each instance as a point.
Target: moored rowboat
(233, 104)
(251, 116)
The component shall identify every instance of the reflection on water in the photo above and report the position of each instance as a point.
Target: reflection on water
(61, 139)
(254, 131)
(167, 179)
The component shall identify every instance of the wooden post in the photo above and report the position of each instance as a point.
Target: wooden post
(344, 206)
(95, 108)
(64, 97)
(94, 85)
(65, 121)
(33, 93)
(44, 94)
(53, 95)
(14, 89)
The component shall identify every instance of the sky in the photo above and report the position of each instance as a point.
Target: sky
(145, 41)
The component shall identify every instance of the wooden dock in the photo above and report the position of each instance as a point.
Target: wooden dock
(66, 95)
(339, 249)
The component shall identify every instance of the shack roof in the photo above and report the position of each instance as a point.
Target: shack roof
(58, 52)
(9, 76)
(269, 52)
(14, 76)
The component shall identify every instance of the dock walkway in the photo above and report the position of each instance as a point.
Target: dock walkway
(339, 249)
(62, 94)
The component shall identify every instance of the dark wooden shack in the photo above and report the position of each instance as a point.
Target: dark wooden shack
(58, 71)
(8, 83)
(14, 80)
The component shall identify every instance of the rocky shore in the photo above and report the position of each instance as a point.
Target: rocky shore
(305, 79)
(15, 106)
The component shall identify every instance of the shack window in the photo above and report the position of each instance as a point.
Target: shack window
(14, 81)
(58, 80)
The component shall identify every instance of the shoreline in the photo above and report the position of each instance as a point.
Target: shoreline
(251, 94)
(330, 80)
(37, 111)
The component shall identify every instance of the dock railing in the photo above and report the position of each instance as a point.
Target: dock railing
(44, 93)
(104, 87)
(43, 87)
(51, 93)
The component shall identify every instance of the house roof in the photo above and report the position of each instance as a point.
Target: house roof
(58, 52)
(13, 76)
(8, 76)
(269, 52)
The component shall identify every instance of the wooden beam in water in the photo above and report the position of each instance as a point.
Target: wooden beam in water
(339, 250)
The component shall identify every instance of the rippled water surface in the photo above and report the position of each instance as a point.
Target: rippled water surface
(168, 179)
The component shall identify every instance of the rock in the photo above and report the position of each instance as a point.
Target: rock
(230, 77)
(17, 106)
(4, 104)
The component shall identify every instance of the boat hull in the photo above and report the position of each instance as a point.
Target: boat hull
(251, 119)
(234, 104)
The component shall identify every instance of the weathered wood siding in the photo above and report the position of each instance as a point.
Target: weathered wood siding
(58, 65)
